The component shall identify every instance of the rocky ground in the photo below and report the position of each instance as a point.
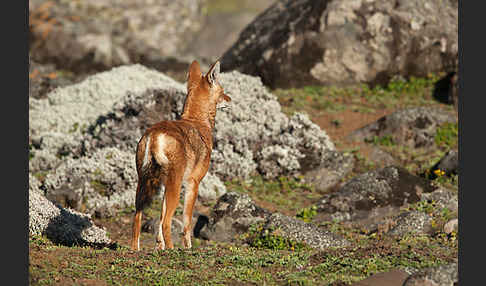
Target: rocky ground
(319, 184)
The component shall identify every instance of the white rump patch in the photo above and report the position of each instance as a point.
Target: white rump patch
(145, 156)
(160, 155)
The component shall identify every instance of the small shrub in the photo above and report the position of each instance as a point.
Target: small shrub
(306, 214)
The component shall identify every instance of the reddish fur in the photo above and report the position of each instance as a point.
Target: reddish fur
(189, 143)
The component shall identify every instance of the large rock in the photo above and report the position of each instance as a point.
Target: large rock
(296, 43)
(368, 198)
(412, 222)
(61, 225)
(301, 231)
(414, 127)
(235, 213)
(66, 33)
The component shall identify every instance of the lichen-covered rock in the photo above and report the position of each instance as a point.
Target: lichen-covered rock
(412, 222)
(71, 128)
(61, 225)
(70, 110)
(371, 196)
(443, 198)
(106, 179)
(123, 32)
(414, 127)
(211, 188)
(301, 231)
(443, 275)
(296, 43)
(254, 135)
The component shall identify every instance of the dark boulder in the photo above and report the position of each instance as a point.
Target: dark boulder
(303, 42)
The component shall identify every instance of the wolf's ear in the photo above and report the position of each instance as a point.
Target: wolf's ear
(193, 75)
(213, 73)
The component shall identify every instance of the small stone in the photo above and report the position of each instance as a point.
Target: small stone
(451, 226)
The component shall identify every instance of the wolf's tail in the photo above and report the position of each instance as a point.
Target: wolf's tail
(149, 175)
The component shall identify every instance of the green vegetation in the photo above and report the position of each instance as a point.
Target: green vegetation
(447, 135)
(358, 98)
(273, 262)
(287, 195)
(386, 140)
(306, 214)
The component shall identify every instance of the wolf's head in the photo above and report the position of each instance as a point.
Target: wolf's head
(206, 87)
(204, 93)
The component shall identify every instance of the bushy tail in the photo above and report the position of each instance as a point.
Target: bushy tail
(149, 176)
(149, 184)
